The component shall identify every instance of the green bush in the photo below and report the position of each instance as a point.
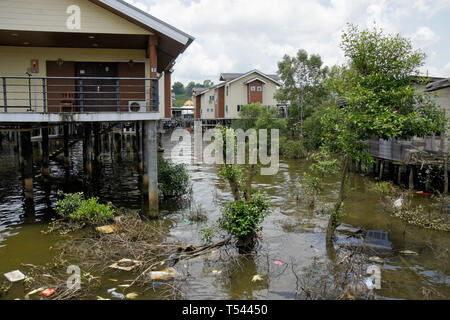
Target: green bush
(242, 219)
(74, 207)
(292, 149)
(174, 180)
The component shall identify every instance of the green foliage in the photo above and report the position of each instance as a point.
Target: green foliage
(256, 116)
(180, 100)
(293, 149)
(174, 180)
(207, 233)
(302, 77)
(242, 218)
(383, 187)
(74, 207)
(323, 164)
(178, 88)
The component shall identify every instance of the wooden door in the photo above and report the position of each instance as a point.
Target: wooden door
(97, 95)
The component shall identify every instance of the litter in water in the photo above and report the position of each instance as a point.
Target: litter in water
(409, 252)
(107, 229)
(132, 295)
(258, 277)
(161, 275)
(278, 263)
(115, 294)
(47, 292)
(15, 276)
(125, 264)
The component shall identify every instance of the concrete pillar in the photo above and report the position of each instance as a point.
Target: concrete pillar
(151, 165)
(66, 145)
(27, 156)
(87, 149)
(44, 153)
(139, 137)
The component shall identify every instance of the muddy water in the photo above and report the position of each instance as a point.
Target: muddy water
(292, 234)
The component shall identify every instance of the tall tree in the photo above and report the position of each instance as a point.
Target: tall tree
(178, 88)
(302, 89)
(377, 90)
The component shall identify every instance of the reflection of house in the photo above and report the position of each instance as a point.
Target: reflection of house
(224, 100)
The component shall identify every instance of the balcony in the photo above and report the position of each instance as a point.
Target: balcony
(62, 99)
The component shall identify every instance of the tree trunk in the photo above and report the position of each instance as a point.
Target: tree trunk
(248, 183)
(333, 221)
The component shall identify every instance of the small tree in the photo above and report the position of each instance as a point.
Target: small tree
(379, 98)
(243, 216)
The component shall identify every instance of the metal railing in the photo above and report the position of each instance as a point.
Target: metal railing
(78, 94)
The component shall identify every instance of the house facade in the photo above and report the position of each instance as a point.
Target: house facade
(224, 100)
(48, 46)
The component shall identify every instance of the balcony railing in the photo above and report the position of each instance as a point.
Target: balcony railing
(78, 94)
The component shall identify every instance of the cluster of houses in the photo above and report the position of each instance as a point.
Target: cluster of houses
(225, 99)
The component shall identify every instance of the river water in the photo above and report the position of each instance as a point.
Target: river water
(292, 234)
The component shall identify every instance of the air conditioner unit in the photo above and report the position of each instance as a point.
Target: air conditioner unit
(137, 106)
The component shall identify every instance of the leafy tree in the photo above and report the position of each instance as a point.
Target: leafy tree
(378, 97)
(302, 89)
(178, 88)
(256, 116)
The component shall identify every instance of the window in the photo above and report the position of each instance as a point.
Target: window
(259, 88)
(252, 88)
(226, 108)
(239, 106)
(227, 90)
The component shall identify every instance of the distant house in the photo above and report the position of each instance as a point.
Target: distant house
(224, 100)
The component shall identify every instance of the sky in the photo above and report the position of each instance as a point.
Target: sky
(242, 35)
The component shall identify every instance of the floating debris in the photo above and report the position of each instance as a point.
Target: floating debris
(34, 291)
(409, 252)
(161, 275)
(126, 264)
(107, 229)
(377, 239)
(15, 276)
(258, 277)
(115, 294)
(47, 292)
(216, 272)
(132, 295)
(376, 260)
(278, 263)
(101, 298)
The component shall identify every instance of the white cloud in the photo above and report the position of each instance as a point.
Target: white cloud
(238, 35)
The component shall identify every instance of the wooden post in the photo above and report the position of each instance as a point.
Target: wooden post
(97, 143)
(380, 176)
(411, 177)
(152, 53)
(87, 149)
(27, 156)
(66, 145)
(44, 148)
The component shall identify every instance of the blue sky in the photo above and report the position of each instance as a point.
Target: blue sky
(240, 35)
